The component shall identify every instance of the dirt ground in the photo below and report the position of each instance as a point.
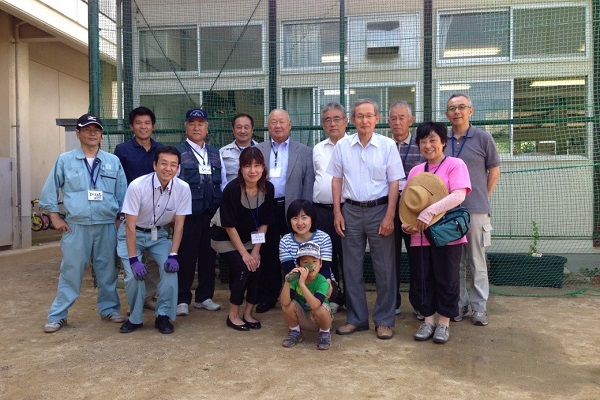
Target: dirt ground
(533, 348)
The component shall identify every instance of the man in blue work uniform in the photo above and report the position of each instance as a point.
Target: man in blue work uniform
(92, 184)
(201, 168)
(137, 159)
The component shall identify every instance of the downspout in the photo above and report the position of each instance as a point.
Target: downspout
(19, 197)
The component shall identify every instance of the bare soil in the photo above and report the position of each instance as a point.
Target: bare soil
(533, 348)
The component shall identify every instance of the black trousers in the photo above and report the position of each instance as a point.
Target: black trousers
(399, 238)
(435, 283)
(195, 250)
(241, 280)
(271, 279)
(325, 223)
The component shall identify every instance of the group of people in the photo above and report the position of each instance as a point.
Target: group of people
(290, 222)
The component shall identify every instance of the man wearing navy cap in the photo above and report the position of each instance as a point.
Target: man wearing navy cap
(92, 184)
(201, 168)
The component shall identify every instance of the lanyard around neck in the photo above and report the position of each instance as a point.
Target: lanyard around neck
(461, 145)
(95, 164)
(407, 151)
(438, 167)
(154, 219)
(254, 218)
(204, 162)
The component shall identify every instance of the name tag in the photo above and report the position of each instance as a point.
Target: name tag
(153, 233)
(275, 172)
(205, 170)
(258, 237)
(95, 195)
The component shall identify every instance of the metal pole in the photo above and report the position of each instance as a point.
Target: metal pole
(272, 55)
(428, 60)
(342, 53)
(94, 56)
(119, 65)
(127, 58)
(595, 82)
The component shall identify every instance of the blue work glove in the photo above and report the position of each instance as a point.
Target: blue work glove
(138, 268)
(172, 265)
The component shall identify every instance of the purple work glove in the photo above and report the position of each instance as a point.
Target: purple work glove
(172, 265)
(138, 268)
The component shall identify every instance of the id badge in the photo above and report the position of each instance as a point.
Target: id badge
(258, 237)
(205, 170)
(275, 172)
(95, 195)
(401, 184)
(153, 233)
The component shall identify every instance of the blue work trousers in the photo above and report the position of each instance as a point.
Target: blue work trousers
(136, 290)
(85, 243)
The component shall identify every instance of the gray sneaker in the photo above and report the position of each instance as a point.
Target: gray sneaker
(441, 335)
(462, 313)
(480, 318)
(292, 338)
(51, 327)
(418, 315)
(425, 332)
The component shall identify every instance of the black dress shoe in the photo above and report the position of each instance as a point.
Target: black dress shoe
(244, 327)
(163, 324)
(263, 307)
(252, 325)
(128, 327)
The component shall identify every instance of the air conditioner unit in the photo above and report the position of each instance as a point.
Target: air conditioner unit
(383, 38)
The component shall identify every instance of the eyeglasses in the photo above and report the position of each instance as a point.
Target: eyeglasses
(360, 117)
(461, 107)
(329, 120)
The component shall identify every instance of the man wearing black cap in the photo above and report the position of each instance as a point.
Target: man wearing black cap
(92, 184)
(201, 169)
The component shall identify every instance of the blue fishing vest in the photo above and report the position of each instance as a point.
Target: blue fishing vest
(206, 189)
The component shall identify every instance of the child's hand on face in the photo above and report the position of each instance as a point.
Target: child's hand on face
(303, 273)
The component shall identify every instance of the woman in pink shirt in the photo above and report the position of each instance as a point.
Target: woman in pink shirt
(434, 286)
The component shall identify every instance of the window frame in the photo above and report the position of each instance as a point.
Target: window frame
(510, 59)
(324, 67)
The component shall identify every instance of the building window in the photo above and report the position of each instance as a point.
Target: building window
(549, 32)
(169, 50)
(555, 122)
(480, 35)
(170, 108)
(515, 33)
(311, 44)
(231, 48)
(486, 108)
(221, 105)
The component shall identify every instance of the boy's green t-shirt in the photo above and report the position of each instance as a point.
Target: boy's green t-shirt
(317, 285)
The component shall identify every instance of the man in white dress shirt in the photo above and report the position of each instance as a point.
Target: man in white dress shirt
(334, 122)
(151, 202)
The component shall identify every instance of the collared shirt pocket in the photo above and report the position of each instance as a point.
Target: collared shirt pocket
(109, 180)
(75, 179)
(379, 174)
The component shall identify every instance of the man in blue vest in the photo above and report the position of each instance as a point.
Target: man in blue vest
(201, 169)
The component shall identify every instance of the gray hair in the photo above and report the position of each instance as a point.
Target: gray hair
(401, 103)
(364, 101)
(454, 95)
(334, 105)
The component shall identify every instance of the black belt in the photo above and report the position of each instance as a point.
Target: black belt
(137, 228)
(280, 201)
(368, 204)
(327, 206)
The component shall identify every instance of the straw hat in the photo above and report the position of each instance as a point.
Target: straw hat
(422, 190)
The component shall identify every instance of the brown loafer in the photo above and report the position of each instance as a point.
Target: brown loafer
(150, 304)
(350, 329)
(384, 332)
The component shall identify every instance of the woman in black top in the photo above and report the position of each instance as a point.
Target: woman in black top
(244, 215)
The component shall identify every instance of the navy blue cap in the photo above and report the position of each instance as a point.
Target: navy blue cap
(196, 113)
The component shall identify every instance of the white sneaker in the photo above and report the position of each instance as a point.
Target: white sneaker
(51, 327)
(182, 309)
(398, 311)
(209, 305)
(115, 317)
(334, 307)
